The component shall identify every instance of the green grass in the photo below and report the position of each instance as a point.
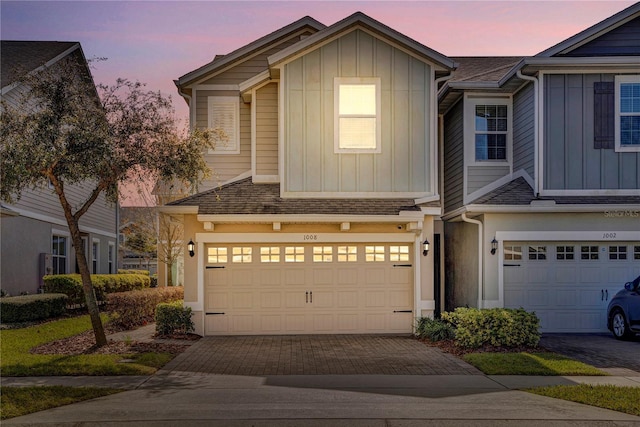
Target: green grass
(621, 399)
(15, 359)
(529, 364)
(17, 401)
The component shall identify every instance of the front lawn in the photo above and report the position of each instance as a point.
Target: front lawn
(621, 399)
(529, 364)
(17, 401)
(16, 360)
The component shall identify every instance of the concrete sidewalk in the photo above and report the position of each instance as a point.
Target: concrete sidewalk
(180, 398)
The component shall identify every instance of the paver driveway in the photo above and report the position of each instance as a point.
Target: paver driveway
(318, 354)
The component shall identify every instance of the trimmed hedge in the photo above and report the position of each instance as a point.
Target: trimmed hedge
(137, 308)
(173, 317)
(122, 271)
(434, 329)
(25, 308)
(499, 327)
(71, 285)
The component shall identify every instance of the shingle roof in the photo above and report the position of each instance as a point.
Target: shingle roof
(483, 68)
(24, 56)
(519, 192)
(244, 197)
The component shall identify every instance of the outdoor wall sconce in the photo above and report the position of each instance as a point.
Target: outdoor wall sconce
(494, 246)
(425, 247)
(191, 247)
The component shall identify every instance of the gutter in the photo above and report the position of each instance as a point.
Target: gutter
(480, 255)
(536, 133)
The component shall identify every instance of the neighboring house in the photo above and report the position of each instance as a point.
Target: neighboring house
(138, 234)
(542, 177)
(35, 238)
(329, 183)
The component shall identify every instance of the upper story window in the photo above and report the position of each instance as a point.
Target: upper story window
(357, 115)
(224, 113)
(627, 111)
(488, 130)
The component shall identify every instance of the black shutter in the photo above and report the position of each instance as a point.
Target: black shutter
(603, 115)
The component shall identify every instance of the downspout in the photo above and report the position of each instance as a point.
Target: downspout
(480, 255)
(536, 120)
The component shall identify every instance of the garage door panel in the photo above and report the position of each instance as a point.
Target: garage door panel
(322, 277)
(514, 298)
(375, 299)
(567, 297)
(242, 323)
(537, 298)
(323, 323)
(375, 276)
(589, 298)
(537, 274)
(270, 299)
(618, 274)
(295, 299)
(348, 322)
(217, 324)
(270, 323)
(242, 300)
(268, 277)
(347, 276)
(294, 323)
(347, 299)
(241, 278)
(400, 299)
(217, 300)
(322, 299)
(566, 274)
(294, 276)
(375, 322)
(399, 275)
(397, 321)
(590, 275)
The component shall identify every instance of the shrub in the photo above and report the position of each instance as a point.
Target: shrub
(434, 329)
(154, 281)
(122, 271)
(172, 318)
(71, 285)
(499, 327)
(136, 308)
(32, 307)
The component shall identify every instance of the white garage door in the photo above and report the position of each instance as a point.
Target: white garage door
(308, 289)
(568, 284)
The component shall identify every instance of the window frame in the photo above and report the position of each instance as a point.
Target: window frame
(111, 255)
(95, 256)
(470, 132)
(56, 257)
(619, 80)
(232, 145)
(337, 83)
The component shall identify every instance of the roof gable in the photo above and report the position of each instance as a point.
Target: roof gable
(18, 57)
(355, 21)
(577, 45)
(224, 61)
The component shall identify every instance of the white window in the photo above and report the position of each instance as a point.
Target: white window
(224, 113)
(398, 253)
(95, 257)
(617, 252)
(270, 254)
(374, 253)
(537, 252)
(322, 254)
(111, 257)
(589, 252)
(565, 253)
(59, 254)
(636, 252)
(357, 115)
(217, 255)
(241, 254)
(627, 110)
(512, 253)
(347, 254)
(294, 254)
(488, 130)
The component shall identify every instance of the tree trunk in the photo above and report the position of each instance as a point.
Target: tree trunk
(169, 274)
(87, 286)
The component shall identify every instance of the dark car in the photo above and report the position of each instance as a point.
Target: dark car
(623, 313)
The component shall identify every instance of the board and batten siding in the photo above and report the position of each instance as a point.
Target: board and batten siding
(244, 70)
(225, 166)
(267, 130)
(524, 130)
(570, 160)
(624, 40)
(453, 157)
(311, 165)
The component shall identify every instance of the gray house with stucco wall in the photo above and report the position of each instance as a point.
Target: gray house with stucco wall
(34, 238)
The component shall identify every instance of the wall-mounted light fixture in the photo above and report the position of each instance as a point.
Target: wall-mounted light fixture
(494, 246)
(425, 247)
(191, 247)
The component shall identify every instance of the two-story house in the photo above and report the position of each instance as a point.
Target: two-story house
(35, 239)
(541, 177)
(326, 214)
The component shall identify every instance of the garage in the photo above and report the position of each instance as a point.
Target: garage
(323, 288)
(567, 284)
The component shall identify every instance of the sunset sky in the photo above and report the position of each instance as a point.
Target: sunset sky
(158, 41)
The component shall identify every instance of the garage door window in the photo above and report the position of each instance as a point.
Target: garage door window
(270, 254)
(537, 252)
(241, 254)
(617, 252)
(322, 254)
(636, 252)
(350, 253)
(398, 253)
(374, 253)
(589, 252)
(512, 253)
(217, 255)
(294, 254)
(565, 253)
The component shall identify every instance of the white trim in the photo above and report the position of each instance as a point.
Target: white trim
(67, 247)
(233, 144)
(590, 192)
(95, 243)
(311, 218)
(417, 275)
(619, 79)
(254, 136)
(567, 236)
(470, 102)
(479, 209)
(216, 87)
(338, 82)
(111, 263)
(256, 80)
(281, 136)
(190, 209)
(266, 179)
(351, 195)
(303, 238)
(427, 199)
(57, 221)
(497, 184)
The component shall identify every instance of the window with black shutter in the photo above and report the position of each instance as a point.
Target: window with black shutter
(604, 115)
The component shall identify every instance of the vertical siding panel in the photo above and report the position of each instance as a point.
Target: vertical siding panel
(523, 130)
(419, 141)
(384, 160)
(366, 172)
(573, 132)
(313, 142)
(348, 172)
(453, 157)
(365, 54)
(554, 132)
(628, 171)
(267, 130)
(401, 152)
(330, 67)
(591, 160)
(348, 55)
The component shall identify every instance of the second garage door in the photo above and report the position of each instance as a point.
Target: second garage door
(568, 284)
(308, 289)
